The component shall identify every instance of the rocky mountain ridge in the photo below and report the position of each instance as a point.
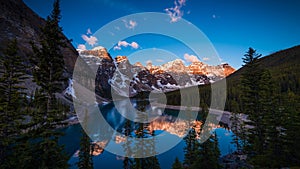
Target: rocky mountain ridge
(119, 76)
(19, 22)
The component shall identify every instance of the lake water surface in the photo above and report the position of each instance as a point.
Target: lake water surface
(164, 126)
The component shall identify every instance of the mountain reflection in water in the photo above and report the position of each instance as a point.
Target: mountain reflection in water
(125, 121)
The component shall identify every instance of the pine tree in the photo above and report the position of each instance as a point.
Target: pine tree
(177, 164)
(251, 57)
(290, 106)
(280, 121)
(12, 99)
(48, 74)
(45, 152)
(250, 81)
(235, 124)
(270, 120)
(145, 146)
(216, 148)
(208, 154)
(151, 162)
(127, 162)
(86, 149)
(48, 59)
(191, 148)
(266, 139)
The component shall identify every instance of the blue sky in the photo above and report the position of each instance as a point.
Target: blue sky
(231, 25)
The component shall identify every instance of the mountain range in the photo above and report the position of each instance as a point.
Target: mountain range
(119, 76)
(19, 22)
(282, 65)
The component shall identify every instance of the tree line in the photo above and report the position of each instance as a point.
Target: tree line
(28, 122)
(270, 135)
(270, 98)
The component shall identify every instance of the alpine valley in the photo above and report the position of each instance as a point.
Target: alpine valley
(87, 103)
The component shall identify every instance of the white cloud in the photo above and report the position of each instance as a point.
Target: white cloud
(125, 44)
(89, 32)
(131, 24)
(190, 58)
(91, 40)
(134, 45)
(205, 59)
(175, 12)
(159, 60)
(81, 47)
(149, 62)
(117, 48)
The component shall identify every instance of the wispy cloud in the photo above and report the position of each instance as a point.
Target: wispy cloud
(117, 48)
(91, 40)
(125, 44)
(214, 16)
(175, 12)
(81, 47)
(89, 32)
(190, 58)
(131, 24)
(205, 59)
(159, 60)
(88, 38)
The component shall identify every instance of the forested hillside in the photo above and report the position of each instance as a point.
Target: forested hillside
(267, 91)
(283, 67)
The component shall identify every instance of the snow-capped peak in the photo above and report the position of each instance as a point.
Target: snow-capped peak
(98, 48)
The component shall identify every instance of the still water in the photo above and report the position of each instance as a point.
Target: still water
(165, 124)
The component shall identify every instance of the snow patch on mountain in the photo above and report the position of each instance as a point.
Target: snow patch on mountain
(128, 79)
(70, 90)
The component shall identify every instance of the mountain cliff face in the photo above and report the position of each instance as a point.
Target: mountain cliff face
(99, 52)
(195, 68)
(119, 76)
(20, 22)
